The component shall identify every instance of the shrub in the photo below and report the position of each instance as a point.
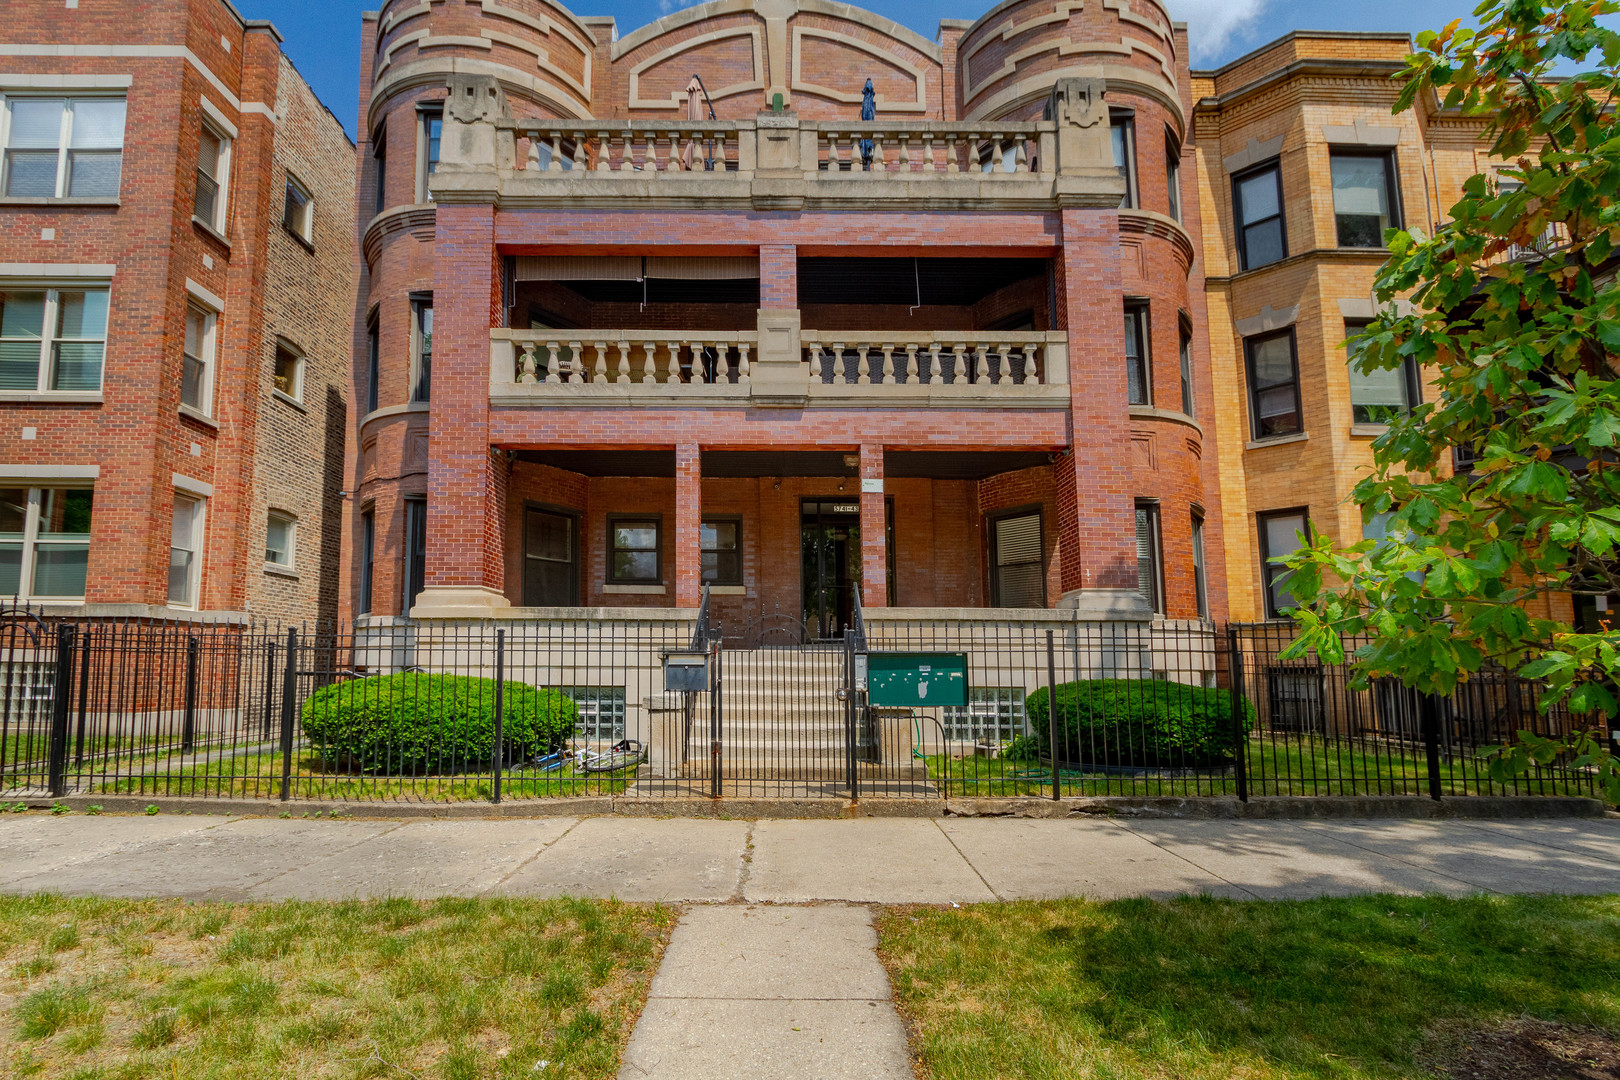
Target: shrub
(1139, 723)
(414, 722)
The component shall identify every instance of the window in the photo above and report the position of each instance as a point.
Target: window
(1018, 568)
(1122, 134)
(1377, 397)
(1281, 534)
(280, 536)
(185, 551)
(298, 212)
(635, 551)
(993, 714)
(368, 547)
(1149, 580)
(197, 363)
(1294, 698)
(721, 543)
(379, 157)
(1186, 371)
(1200, 578)
(430, 129)
(373, 366)
(550, 558)
(1274, 407)
(601, 711)
(288, 375)
(68, 357)
(1257, 202)
(421, 346)
(44, 542)
(213, 175)
(1363, 197)
(58, 147)
(1172, 175)
(1138, 382)
(415, 550)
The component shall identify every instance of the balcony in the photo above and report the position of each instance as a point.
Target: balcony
(831, 369)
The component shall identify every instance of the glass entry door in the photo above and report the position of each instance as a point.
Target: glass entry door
(550, 558)
(830, 564)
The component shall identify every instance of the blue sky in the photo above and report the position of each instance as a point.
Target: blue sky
(323, 36)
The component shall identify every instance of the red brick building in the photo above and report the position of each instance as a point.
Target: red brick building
(176, 291)
(611, 349)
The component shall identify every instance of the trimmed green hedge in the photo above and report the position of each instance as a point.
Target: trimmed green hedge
(1149, 723)
(413, 722)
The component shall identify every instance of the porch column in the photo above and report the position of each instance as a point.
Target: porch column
(465, 574)
(874, 530)
(688, 522)
(1096, 505)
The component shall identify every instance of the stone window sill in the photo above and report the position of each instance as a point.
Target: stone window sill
(51, 397)
(288, 399)
(633, 590)
(1280, 440)
(66, 200)
(199, 417)
(309, 245)
(210, 231)
(281, 571)
(1367, 431)
(728, 590)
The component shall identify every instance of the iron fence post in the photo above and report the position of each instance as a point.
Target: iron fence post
(61, 688)
(289, 690)
(84, 696)
(1234, 662)
(717, 691)
(269, 689)
(188, 723)
(849, 716)
(1051, 717)
(1429, 715)
(499, 752)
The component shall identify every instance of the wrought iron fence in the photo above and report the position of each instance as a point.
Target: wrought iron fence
(660, 705)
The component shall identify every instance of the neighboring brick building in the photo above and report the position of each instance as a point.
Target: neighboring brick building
(607, 352)
(159, 159)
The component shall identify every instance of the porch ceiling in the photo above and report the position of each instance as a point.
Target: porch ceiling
(949, 282)
(959, 464)
(605, 462)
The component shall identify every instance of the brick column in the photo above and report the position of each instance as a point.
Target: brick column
(466, 568)
(874, 531)
(688, 522)
(1096, 508)
(778, 277)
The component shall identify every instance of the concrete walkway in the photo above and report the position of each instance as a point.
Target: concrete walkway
(864, 860)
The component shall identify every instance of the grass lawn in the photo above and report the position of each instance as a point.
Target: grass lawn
(1202, 988)
(449, 989)
(1280, 765)
(258, 776)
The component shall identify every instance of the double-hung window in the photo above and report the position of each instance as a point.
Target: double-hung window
(1364, 196)
(52, 340)
(63, 147)
(635, 551)
(1186, 371)
(430, 128)
(421, 346)
(1172, 175)
(1122, 135)
(298, 211)
(185, 551)
(1017, 563)
(44, 542)
(721, 551)
(1380, 395)
(1274, 406)
(379, 157)
(280, 537)
(288, 375)
(213, 178)
(1257, 200)
(1282, 532)
(1149, 578)
(197, 360)
(373, 363)
(1138, 355)
(368, 544)
(1200, 578)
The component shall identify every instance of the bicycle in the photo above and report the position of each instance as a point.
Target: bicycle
(623, 754)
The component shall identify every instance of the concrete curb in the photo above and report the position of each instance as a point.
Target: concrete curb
(1272, 807)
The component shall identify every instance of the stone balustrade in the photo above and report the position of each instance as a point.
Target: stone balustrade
(601, 149)
(647, 360)
(933, 149)
(943, 358)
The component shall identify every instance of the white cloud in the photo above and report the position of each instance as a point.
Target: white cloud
(1213, 24)
(667, 6)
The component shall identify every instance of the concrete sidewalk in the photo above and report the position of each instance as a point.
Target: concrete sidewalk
(865, 860)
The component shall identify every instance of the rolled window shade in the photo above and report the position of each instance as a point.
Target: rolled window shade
(702, 267)
(629, 267)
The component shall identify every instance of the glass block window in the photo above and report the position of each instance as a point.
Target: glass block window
(993, 714)
(601, 711)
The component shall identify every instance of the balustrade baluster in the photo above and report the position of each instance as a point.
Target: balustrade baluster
(910, 369)
(624, 363)
(936, 369)
(832, 152)
(526, 363)
(627, 163)
(959, 366)
(532, 162)
(905, 152)
(604, 152)
(1021, 156)
(581, 163)
(742, 361)
(549, 375)
(863, 361)
(878, 164)
(1032, 374)
(576, 363)
(981, 371)
(649, 363)
(928, 151)
(677, 373)
(599, 374)
(951, 164)
(840, 374)
(888, 364)
(650, 162)
(556, 153)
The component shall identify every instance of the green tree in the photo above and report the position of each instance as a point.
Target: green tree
(1513, 309)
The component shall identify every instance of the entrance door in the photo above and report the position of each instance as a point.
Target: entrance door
(550, 558)
(830, 566)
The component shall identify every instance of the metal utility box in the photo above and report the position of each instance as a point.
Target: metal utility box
(686, 671)
(915, 680)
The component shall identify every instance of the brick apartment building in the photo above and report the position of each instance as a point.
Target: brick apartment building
(176, 291)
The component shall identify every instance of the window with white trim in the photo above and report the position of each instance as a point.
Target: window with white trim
(280, 539)
(44, 542)
(213, 177)
(62, 147)
(185, 550)
(298, 211)
(52, 340)
(430, 123)
(288, 374)
(197, 361)
(1149, 574)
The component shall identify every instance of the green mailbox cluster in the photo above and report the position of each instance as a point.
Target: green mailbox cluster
(916, 679)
